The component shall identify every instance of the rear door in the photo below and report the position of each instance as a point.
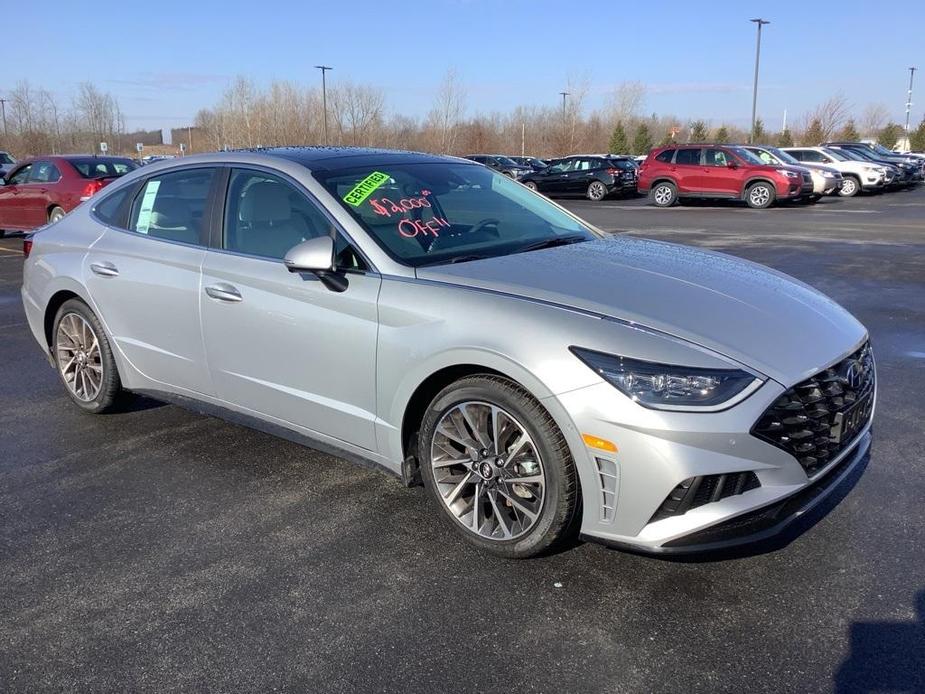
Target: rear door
(688, 170)
(11, 194)
(559, 176)
(145, 278)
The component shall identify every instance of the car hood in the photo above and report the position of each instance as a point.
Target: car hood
(752, 314)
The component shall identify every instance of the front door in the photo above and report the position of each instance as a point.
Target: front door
(283, 344)
(145, 280)
(11, 206)
(719, 177)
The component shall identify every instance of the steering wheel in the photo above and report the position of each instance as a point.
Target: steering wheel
(442, 242)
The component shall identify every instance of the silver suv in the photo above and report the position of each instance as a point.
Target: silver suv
(440, 321)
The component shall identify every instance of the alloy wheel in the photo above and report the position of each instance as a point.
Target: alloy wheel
(56, 215)
(662, 195)
(597, 191)
(848, 187)
(487, 470)
(78, 356)
(759, 196)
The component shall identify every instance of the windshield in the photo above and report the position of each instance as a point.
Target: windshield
(837, 154)
(6, 158)
(883, 150)
(747, 156)
(506, 161)
(433, 213)
(783, 156)
(92, 167)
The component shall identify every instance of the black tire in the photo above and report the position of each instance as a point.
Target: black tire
(2, 233)
(596, 192)
(558, 518)
(111, 384)
(760, 195)
(532, 186)
(55, 214)
(663, 194)
(851, 186)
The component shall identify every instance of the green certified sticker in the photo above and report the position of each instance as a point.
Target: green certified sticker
(364, 188)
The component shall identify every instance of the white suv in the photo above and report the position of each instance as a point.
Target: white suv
(858, 175)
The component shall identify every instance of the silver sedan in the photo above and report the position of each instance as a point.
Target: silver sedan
(439, 320)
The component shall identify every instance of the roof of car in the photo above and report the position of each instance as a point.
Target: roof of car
(343, 157)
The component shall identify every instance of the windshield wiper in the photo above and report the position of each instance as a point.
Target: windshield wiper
(552, 243)
(457, 259)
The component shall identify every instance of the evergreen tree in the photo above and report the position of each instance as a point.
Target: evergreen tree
(698, 131)
(917, 138)
(849, 132)
(642, 142)
(785, 139)
(618, 142)
(889, 134)
(814, 134)
(758, 134)
(722, 134)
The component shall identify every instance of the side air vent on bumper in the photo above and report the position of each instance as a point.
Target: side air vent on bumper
(704, 489)
(818, 418)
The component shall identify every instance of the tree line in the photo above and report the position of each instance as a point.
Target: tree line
(287, 113)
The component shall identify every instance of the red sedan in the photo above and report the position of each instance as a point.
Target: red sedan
(43, 189)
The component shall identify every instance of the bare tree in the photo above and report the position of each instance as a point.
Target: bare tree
(626, 101)
(448, 110)
(873, 118)
(358, 111)
(830, 115)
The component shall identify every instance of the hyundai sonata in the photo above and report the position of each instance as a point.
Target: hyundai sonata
(439, 320)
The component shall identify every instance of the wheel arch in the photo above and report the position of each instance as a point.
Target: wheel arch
(757, 179)
(51, 310)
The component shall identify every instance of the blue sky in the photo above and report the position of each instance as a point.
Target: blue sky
(164, 59)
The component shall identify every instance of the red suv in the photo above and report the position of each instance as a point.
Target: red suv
(718, 171)
(43, 189)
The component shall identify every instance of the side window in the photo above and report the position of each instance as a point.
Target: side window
(109, 209)
(795, 153)
(665, 157)
(21, 176)
(172, 205)
(266, 216)
(688, 157)
(44, 172)
(568, 165)
(717, 157)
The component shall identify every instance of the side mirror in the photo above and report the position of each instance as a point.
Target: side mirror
(2, 181)
(731, 165)
(317, 257)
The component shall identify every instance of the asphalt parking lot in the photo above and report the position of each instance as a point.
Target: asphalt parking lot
(156, 549)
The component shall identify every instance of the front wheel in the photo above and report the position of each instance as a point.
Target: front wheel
(531, 185)
(849, 187)
(760, 195)
(498, 467)
(84, 358)
(597, 191)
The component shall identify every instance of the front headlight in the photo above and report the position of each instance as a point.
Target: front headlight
(828, 174)
(791, 174)
(669, 387)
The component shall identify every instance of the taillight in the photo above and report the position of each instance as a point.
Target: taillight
(90, 189)
(613, 172)
(26, 245)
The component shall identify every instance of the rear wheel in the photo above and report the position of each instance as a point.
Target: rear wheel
(760, 195)
(498, 467)
(84, 358)
(597, 191)
(531, 185)
(850, 187)
(664, 194)
(55, 215)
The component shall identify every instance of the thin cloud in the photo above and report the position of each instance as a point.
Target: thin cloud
(183, 81)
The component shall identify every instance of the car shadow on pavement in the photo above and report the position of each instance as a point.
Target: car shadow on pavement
(790, 533)
(886, 656)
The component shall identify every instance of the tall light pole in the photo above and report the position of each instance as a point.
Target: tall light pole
(909, 105)
(760, 22)
(3, 110)
(324, 98)
(564, 94)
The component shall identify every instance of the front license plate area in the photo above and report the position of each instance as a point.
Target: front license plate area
(850, 421)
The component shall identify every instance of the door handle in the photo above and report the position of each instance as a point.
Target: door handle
(224, 292)
(105, 269)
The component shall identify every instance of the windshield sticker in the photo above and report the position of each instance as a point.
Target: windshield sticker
(365, 188)
(409, 228)
(385, 207)
(147, 206)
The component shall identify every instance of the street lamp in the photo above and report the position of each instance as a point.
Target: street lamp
(909, 105)
(760, 22)
(324, 98)
(564, 94)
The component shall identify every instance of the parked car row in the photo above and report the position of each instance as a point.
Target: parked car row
(41, 190)
(763, 175)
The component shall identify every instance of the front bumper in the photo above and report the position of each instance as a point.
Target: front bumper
(658, 451)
